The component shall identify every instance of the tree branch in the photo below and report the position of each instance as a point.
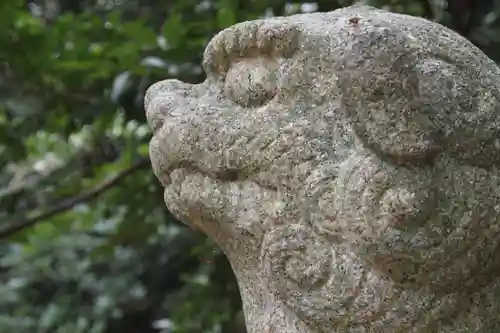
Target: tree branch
(69, 203)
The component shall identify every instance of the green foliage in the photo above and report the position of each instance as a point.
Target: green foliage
(86, 243)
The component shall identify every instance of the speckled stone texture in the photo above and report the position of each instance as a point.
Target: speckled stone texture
(348, 165)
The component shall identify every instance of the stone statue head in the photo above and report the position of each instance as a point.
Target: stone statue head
(348, 165)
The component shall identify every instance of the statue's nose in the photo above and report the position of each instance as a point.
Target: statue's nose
(162, 99)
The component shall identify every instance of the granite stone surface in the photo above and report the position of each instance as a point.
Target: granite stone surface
(348, 165)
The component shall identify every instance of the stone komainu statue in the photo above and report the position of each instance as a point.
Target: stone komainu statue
(348, 165)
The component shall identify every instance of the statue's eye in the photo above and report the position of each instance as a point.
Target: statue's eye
(252, 82)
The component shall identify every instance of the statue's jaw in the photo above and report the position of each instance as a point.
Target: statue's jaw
(225, 209)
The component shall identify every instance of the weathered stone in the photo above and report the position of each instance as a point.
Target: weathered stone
(348, 165)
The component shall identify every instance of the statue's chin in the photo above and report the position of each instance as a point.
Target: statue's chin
(221, 207)
(193, 197)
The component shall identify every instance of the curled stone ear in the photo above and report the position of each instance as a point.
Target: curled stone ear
(408, 104)
(380, 96)
(466, 109)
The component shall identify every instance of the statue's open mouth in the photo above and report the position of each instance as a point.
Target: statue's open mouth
(179, 171)
(183, 169)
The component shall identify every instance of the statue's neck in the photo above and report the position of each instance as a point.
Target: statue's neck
(477, 312)
(266, 314)
(450, 313)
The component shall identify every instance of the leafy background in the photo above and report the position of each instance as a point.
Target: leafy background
(86, 243)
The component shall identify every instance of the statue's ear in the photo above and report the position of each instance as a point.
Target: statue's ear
(380, 96)
(463, 102)
(408, 103)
